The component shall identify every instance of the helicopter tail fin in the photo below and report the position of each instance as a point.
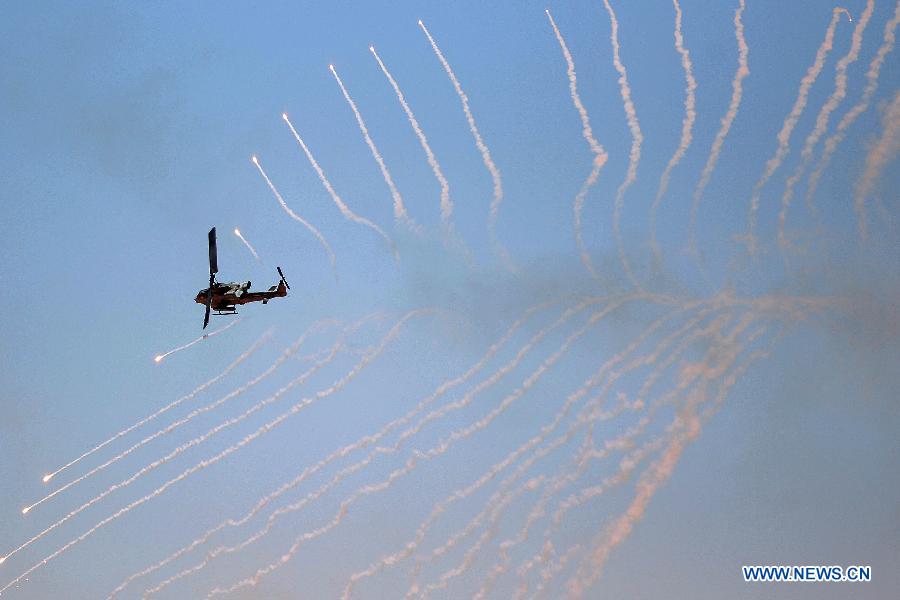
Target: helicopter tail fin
(283, 286)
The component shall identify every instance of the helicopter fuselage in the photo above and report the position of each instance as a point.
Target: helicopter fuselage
(225, 296)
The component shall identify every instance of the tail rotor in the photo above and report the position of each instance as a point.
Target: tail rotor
(283, 280)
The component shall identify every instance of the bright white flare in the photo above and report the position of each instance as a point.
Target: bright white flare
(400, 213)
(292, 214)
(600, 155)
(159, 357)
(252, 250)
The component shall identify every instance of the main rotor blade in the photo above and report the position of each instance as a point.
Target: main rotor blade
(206, 316)
(213, 263)
(209, 294)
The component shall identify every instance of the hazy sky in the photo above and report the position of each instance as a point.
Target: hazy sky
(128, 130)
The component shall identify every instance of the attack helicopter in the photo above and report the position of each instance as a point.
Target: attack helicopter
(224, 297)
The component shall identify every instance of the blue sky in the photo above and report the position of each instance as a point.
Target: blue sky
(128, 130)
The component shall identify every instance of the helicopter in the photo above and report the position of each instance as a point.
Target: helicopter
(224, 297)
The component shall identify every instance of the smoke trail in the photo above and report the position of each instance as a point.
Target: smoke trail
(406, 469)
(784, 136)
(400, 213)
(549, 572)
(159, 357)
(252, 250)
(446, 203)
(442, 506)
(627, 466)
(687, 127)
(198, 411)
(542, 435)
(412, 462)
(586, 418)
(292, 214)
(348, 214)
(879, 156)
(576, 587)
(686, 428)
(469, 557)
(736, 93)
(840, 90)
(600, 155)
(178, 450)
(467, 398)
(341, 452)
(482, 147)
(253, 348)
(688, 378)
(860, 107)
(637, 138)
(296, 408)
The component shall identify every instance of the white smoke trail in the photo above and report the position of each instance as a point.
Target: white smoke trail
(686, 428)
(687, 128)
(790, 309)
(253, 348)
(409, 467)
(688, 378)
(831, 144)
(400, 213)
(469, 558)
(177, 451)
(296, 408)
(467, 399)
(884, 150)
(345, 210)
(833, 101)
(586, 418)
(547, 573)
(498, 501)
(294, 215)
(441, 507)
(784, 136)
(252, 250)
(736, 92)
(627, 466)
(446, 203)
(159, 357)
(194, 413)
(341, 452)
(637, 138)
(482, 147)
(418, 456)
(600, 155)
(715, 369)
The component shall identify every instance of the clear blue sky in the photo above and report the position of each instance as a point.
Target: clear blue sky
(127, 132)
